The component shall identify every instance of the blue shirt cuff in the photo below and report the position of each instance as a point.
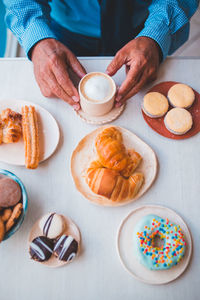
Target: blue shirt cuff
(160, 34)
(36, 32)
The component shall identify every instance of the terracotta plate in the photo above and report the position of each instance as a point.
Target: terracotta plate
(157, 124)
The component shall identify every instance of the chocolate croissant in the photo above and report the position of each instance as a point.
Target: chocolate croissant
(10, 126)
(112, 153)
(110, 184)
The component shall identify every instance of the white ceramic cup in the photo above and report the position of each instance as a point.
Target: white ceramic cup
(94, 106)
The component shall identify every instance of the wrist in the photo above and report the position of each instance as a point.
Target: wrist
(154, 45)
(44, 43)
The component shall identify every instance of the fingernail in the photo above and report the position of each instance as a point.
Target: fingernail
(75, 98)
(118, 104)
(76, 106)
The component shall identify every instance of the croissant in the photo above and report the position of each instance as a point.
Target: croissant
(112, 153)
(134, 159)
(110, 184)
(11, 128)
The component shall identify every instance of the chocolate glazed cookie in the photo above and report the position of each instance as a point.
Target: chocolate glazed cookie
(41, 248)
(66, 248)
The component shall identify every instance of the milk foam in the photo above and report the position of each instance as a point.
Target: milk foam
(97, 88)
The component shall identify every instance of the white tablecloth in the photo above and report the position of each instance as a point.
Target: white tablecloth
(97, 273)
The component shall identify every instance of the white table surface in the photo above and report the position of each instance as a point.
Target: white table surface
(97, 273)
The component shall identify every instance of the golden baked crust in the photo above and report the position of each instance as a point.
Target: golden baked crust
(111, 176)
(110, 184)
(10, 126)
(178, 120)
(181, 95)
(30, 136)
(155, 104)
(112, 153)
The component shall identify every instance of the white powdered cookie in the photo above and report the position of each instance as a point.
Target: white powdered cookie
(178, 121)
(181, 95)
(155, 105)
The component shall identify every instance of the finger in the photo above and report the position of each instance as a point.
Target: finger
(131, 80)
(116, 63)
(57, 89)
(75, 65)
(43, 85)
(133, 91)
(62, 77)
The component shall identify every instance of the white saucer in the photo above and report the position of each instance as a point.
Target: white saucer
(85, 153)
(70, 229)
(48, 135)
(125, 246)
(109, 117)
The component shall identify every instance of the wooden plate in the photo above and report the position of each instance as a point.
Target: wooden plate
(70, 229)
(85, 153)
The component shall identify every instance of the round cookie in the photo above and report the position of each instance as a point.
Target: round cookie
(155, 105)
(153, 254)
(66, 248)
(181, 95)
(41, 248)
(10, 192)
(52, 225)
(178, 121)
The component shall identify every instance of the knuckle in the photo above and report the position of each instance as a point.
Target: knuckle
(53, 59)
(57, 91)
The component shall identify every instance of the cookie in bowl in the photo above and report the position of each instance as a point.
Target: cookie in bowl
(13, 204)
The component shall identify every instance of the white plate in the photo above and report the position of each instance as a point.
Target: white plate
(48, 135)
(125, 246)
(85, 153)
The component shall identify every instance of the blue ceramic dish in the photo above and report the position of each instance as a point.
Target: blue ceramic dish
(24, 202)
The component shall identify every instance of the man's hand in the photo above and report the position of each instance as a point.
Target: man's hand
(141, 58)
(51, 60)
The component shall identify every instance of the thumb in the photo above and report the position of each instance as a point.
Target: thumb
(116, 63)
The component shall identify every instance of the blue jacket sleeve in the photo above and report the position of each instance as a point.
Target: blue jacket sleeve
(168, 23)
(29, 20)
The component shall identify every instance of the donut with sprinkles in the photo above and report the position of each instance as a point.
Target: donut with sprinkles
(169, 248)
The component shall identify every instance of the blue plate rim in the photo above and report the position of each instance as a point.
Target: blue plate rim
(24, 202)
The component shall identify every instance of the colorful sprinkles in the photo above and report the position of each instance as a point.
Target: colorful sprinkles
(166, 255)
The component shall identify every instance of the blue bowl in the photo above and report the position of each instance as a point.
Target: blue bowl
(24, 202)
